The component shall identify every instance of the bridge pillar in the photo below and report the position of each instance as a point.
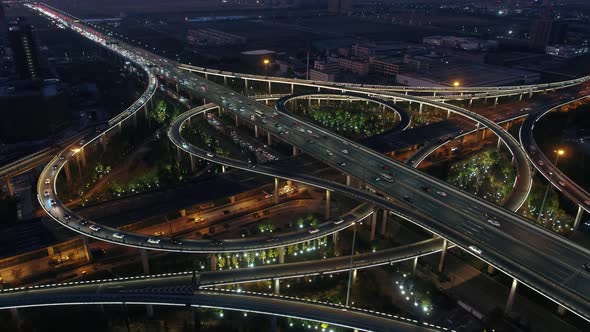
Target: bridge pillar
(292, 88)
(561, 310)
(246, 87)
(335, 240)
(443, 253)
(277, 286)
(448, 114)
(531, 94)
(394, 100)
(269, 88)
(149, 309)
(67, 171)
(295, 151)
(276, 192)
(520, 97)
(268, 138)
(213, 262)
(193, 165)
(373, 224)
(499, 144)
(223, 169)
(354, 275)
(491, 269)
(496, 102)
(384, 222)
(327, 206)
(414, 265)
(255, 131)
(16, 318)
(470, 101)
(145, 262)
(206, 76)
(348, 180)
(281, 255)
(177, 89)
(224, 80)
(578, 217)
(420, 109)
(237, 121)
(510, 301)
(9, 187)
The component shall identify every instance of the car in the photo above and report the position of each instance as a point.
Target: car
(330, 153)
(272, 239)
(184, 145)
(67, 216)
(83, 222)
(309, 131)
(377, 179)
(118, 235)
(54, 167)
(216, 243)
(563, 184)
(312, 230)
(441, 193)
(95, 228)
(586, 267)
(426, 189)
(541, 162)
(494, 222)
(46, 193)
(159, 233)
(341, 163)
(242, 109)
(345, 151)
(338, 221)
(47, 181)
(53, 203)
(175, 242)
(226, 211)
(308, 140)
(153, 240)
(210, 155)
(475, 249)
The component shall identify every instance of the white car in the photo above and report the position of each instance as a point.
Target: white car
(441, 193)
(313, 230)
(46, 193)
(47, 181)
(345, 151)
(95, 228)
(153, 240)
(330, 153)
(494, 222)
(475, 249)
(118, 235)
(210, 155)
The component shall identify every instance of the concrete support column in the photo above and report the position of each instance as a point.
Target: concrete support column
(178, 156)
(414, 265)
(348, 180)
(510, 301)
(499, 144)
(237, 121)
(281, 255)
(354, 275)
(448, 114)
(520, 97)
(223, 169)
(16, 318)
(193, 165)
(420, 109)
(68, 172)
(470, 101)
(276, 193)
(578, 217)
(335, 239)
(292, 88)
(295, 151)
(491, 269)
(373, 224)
(145, 262)
(255, 131)
(496, 102)
(177, 90)
(269, 88)
(383, 222)
(268, 139)
(277, 286)
(9, 187)
(443, 253)
(327, 207)
(213, 262)
(246, 86)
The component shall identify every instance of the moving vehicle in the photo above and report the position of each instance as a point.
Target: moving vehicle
(313, 230)
(47, 181)
(387, 177)
(441, 193)
(153, 240)
(118, 235)
(475, 249)
(338, 221)
(494, 222)
(95, 228)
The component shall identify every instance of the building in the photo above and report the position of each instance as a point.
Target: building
(463, 43)
(387, 66)
(212, 37)
(339, 6)
(353, 65)
(545, 32)
(467, 75)
(24, 50)
(567, 51)
(318, 75)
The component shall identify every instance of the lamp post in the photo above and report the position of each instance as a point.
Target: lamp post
(351, 257)
(558, 153)
(266, 62)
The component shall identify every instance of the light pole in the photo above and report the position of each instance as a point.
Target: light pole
(351, 257)
(265, 62)
(559, 152)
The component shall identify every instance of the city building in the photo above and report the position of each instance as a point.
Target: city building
(353, 65)
(463, 43)
(212, 37)
(339, 6)
(545, 32)
(24, 50)
(318, 75)
(388, 66)
(567, 51)
(467, 75)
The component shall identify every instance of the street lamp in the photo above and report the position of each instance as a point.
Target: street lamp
(456, 84)
(351, 257)
(266, 62)
(558, 153)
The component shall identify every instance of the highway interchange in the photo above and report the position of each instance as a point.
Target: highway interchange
(549, 264)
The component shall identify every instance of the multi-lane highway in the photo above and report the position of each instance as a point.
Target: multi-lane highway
(547, 167)
(536, 257)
